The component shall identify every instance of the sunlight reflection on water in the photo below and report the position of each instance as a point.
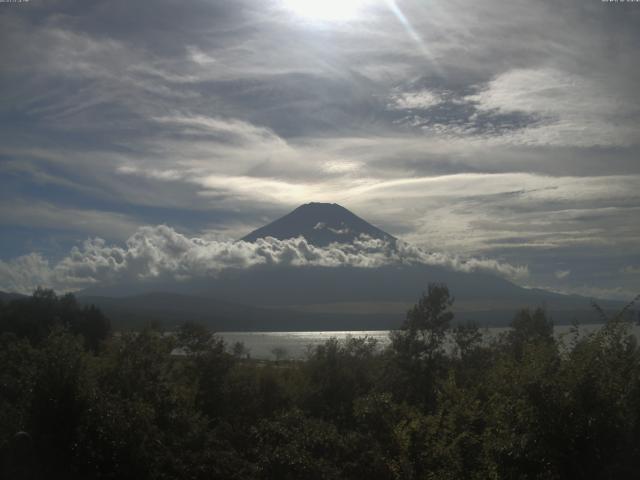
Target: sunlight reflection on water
(297, 344)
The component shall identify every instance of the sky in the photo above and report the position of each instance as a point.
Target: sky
(503, 132)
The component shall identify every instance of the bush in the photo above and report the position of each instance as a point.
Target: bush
(438, 403)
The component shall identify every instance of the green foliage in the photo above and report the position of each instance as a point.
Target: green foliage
(239, 350)
(58, 399)
(438, 403)
(35, 317)
(293, 446)
(143, 421)
(422, 334)
(18, 367)
(195, 339)
(337, 374)
(417, 349)
(529, 327)
(467, 338)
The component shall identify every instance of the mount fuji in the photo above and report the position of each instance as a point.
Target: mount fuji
(320, 224)
(317, 296)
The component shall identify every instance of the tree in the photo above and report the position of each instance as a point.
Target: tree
(530, 327)
(418, 347)
(58, 401)
(280, 353)
(338, 373)
(208, 363)
(466, 337)
(194, 338)
(239, 350)
(91, 323)
(36, 317)
(428, 321)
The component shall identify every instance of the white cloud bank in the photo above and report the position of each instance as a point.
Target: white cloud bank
(161, 252)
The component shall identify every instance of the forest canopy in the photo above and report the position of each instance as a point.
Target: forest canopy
(77, 401)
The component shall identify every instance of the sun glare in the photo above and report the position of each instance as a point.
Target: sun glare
(335, 10)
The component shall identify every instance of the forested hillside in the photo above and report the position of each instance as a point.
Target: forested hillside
(77, 401)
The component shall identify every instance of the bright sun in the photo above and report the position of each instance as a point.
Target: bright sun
(325, 9)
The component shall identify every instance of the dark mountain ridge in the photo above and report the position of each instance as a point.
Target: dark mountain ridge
(7, 297)
(320, 224)
(172, 309)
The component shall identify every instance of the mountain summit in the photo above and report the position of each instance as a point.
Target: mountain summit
(320, 224)
(284, 295)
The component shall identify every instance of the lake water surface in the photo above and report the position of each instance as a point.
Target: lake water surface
(297, 344)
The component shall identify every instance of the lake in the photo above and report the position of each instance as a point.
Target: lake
(296, 344)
